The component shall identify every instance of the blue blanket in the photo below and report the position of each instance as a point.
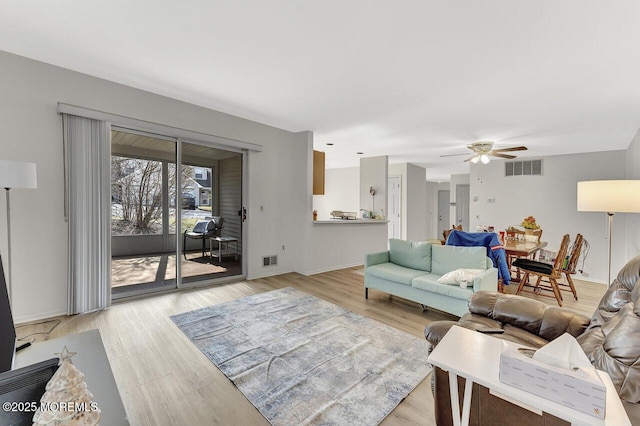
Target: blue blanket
(495, 250)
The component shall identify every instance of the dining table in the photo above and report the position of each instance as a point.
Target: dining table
(522, 248)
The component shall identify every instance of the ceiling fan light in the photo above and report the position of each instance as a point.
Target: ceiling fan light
(475, 159)
(484, 158)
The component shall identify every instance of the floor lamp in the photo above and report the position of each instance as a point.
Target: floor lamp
(610, 196)
(13, 175)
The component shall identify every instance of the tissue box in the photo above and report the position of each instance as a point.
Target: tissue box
(579, 389)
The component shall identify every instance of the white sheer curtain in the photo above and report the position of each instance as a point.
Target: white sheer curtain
(87, 146)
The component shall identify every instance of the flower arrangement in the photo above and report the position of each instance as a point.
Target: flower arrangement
(529, 223)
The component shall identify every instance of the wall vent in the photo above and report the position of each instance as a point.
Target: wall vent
(269, 260)
(523, 168)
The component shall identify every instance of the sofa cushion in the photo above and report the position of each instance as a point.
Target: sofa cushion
(392, 272)
(410, 254)
(430, 283)
(449, 258)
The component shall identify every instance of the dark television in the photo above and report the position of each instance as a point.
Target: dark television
(7, 328)
(21, 390)
(23, 387)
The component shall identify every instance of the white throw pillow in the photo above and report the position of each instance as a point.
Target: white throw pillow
(454, 277)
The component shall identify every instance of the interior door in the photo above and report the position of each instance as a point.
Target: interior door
(443, 210)
(394, 206)
(462, 206)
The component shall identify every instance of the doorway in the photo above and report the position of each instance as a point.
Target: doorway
(462, 206)
(444, 221)
(394, 207)
(162, 187)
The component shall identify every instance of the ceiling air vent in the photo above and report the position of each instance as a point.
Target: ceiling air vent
(523, 168)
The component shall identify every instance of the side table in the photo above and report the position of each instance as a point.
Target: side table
(223, 247)
(476, 357)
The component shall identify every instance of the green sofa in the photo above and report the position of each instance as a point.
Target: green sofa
(411, 270)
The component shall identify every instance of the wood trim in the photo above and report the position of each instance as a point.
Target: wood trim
(318, 173)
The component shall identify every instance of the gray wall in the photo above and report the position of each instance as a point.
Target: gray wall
(551, 199)
(32, 131)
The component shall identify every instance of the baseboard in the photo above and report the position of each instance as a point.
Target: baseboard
(30, 318)
(270, 274)
(332, 268)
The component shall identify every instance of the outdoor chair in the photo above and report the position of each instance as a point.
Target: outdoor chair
(202, 230)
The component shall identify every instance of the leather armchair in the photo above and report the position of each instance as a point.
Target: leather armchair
(611, 338)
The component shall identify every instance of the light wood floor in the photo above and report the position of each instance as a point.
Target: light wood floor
(164, 380)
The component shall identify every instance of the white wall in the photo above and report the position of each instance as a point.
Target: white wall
(551, 199)
(374, 173)
(341, 192)
(32, 131)
(417, 215)
(633, 220)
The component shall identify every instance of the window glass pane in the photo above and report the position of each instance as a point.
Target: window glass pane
(136, 196)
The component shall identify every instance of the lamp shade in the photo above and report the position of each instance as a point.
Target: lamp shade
(613, 196)
(17, 174)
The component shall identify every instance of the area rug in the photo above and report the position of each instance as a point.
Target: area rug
(302, 360)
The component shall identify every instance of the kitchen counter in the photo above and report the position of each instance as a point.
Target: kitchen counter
(350, 222)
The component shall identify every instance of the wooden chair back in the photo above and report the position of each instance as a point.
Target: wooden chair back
(517, 234)
(562, 254)
(446, 232)
(575, 255)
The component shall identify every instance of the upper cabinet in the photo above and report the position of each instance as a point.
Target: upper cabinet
(318, 173)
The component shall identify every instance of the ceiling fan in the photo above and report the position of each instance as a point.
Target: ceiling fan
(483, 150)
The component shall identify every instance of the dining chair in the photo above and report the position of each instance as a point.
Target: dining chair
(446, 232)
(570, 268)
(517, 234)
(547, 275)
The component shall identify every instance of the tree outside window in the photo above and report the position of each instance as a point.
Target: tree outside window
(136, 195)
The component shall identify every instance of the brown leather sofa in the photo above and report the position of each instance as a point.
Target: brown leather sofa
(611, 340)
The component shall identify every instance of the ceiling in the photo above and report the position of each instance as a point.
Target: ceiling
(410, 79)
(131, 144)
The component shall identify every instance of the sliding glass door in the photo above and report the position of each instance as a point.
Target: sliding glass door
(212, 190)
(164, 193)
(143, 194)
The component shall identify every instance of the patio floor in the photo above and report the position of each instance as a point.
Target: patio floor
(159, 268)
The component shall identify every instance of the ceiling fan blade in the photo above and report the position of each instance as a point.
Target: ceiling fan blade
(471, 158)
(497, 154)
(513, 148)
(454, 155)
